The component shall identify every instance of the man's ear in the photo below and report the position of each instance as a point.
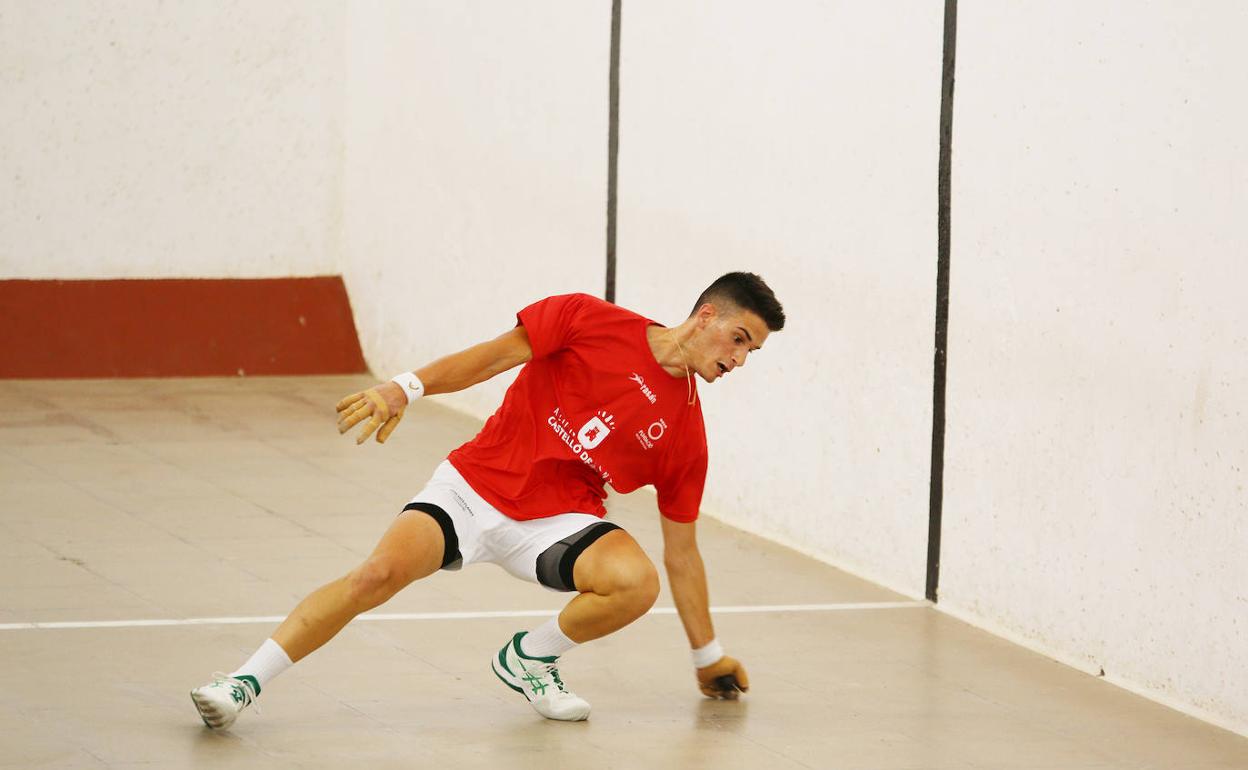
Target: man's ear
(706, 314)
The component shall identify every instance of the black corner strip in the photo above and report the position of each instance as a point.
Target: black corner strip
(613, 146)
(944, 173)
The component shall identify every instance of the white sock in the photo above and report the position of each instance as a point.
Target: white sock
(268, 661)
(547, 640)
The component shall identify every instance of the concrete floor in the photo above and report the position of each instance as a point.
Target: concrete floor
(185, 499)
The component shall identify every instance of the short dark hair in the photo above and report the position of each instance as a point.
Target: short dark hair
(747, 291)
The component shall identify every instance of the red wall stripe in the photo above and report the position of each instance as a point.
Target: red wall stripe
(177, 328)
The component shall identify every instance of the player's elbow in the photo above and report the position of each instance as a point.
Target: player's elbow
(512, 349)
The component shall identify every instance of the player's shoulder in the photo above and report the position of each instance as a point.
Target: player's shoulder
(594, 306)
(576, 298)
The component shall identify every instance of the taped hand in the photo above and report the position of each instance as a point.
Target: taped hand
(726, 678)
(383, 409)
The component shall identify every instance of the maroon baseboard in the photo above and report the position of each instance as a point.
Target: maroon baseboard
(177, 328)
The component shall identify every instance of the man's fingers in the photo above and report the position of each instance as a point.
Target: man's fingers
(389, 427)
(380, 407)
(743, 681)
(370, 405)
(722, 687)
(352, 418)
(372, 425)
(723, 679)
(345, 411)
(354, 406)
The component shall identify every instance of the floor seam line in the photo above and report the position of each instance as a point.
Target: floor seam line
(477, 615)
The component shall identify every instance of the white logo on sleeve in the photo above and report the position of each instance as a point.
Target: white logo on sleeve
(595, 430)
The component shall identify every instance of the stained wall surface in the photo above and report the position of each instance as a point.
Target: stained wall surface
(799, 144)
(476, 159)
(1095, 479)
(147, 139)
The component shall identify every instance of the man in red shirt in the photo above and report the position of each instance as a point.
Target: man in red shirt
(606, 396)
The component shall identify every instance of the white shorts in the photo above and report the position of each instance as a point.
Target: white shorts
(538, 550)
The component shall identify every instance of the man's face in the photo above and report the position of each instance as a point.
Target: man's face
(725, 337)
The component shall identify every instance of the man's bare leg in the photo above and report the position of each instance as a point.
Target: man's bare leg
(618, 584)
(412, 548)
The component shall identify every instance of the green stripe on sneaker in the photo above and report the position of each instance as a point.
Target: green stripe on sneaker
(504, 681)
(249, 679)
(515, 640)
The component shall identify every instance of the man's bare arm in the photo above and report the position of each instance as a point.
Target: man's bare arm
(462, 370)
(383, 404)
(722, 677)
(686, 575)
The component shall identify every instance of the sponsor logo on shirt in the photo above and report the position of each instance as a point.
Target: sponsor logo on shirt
(592, 433)
(650, 436)
(595, 430)
(645, 391)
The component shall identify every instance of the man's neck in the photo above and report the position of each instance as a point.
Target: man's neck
(666, 344)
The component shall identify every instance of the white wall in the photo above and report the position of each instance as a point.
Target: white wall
(476, 171)
(151, 139)
(1096, 458)
(799, 143)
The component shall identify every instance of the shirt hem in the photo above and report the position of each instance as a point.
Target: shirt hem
(503, 505)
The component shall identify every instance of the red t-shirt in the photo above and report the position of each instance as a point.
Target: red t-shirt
(592, 407)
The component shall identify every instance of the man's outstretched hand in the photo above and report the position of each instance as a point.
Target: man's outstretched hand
(382, 405)
(726, 679)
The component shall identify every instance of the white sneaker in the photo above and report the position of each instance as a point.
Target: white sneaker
(537, 679)
(220, 702)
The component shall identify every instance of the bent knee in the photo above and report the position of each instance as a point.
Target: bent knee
(637, 582)
(647, 588)
(617, 567)
(373, 582)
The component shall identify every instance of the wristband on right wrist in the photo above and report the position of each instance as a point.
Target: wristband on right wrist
(412, 387)
(708, 654)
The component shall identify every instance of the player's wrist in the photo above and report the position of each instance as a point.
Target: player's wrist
(708, 654)
(410, 384)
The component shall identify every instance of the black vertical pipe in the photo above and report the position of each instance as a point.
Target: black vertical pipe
(613, 145)
(944, 172)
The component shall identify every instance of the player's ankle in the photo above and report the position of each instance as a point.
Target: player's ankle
(266, 663)
(546, 641)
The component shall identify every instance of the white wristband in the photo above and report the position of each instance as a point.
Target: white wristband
(412, 387)
(708, 655)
